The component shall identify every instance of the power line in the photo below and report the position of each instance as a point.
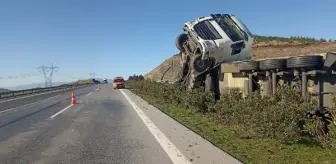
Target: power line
(19, 76)
(71, 76)
(48, 73)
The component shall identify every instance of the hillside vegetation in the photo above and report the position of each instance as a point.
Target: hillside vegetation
(4, 90)
(267, 40)
(263, 47)
(79, 82)
(88, 81)
(254, 129)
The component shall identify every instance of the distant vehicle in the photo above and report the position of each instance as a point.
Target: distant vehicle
(118, 82)
(95, 81)
(105, 81)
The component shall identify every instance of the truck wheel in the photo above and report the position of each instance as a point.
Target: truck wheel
(248, 65)
(179, 41)
(198, 65)
(305, 62)
(269, 64)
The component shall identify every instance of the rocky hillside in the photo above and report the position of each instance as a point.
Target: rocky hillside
(263, 47)
(166, 71)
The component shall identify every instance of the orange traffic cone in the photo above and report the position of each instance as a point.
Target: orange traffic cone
(73, 98)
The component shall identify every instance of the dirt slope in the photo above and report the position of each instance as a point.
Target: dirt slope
(166, 71)
(261, 50)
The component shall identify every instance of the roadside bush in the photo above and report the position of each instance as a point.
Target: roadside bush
(275, 117)
(195, 100)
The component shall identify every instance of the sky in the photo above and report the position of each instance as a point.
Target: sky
(122, 38)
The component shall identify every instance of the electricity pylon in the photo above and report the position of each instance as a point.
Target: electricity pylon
(48, 73)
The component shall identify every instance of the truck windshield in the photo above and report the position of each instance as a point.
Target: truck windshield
(206, 31)
(229, 27)
(237, 20)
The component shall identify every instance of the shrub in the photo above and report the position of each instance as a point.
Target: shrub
(273, 117)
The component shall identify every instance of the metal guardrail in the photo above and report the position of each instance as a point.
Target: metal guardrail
(20, 93)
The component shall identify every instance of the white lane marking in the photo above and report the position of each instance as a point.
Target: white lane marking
(7, 110)
(89, 94)
(61, 111)
(175, 155)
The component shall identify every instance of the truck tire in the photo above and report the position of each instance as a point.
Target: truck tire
(269, 64)
(198, 65)
(180, 39)
(305, 62)
(248, 65)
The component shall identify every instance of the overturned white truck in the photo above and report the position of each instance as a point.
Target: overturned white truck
(206, 43)
(209, 41)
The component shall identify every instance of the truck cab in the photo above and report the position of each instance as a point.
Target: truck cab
(209, 41)
(223, 37)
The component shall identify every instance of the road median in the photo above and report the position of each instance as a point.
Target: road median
(12, 103)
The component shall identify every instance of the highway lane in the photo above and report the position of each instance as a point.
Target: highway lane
(14, 120)
(14, 102)
(102, 128)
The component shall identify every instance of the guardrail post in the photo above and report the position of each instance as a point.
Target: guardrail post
(274, 82)
(266, 88)
(250, 83)
(246, 87)
(304, 82)
(320, 92)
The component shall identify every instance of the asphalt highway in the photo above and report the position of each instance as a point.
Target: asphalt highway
(19, 101)
(102, 128)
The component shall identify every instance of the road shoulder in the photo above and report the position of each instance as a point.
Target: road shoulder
(193, 146)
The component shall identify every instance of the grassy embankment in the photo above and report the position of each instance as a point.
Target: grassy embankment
(254, 129)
